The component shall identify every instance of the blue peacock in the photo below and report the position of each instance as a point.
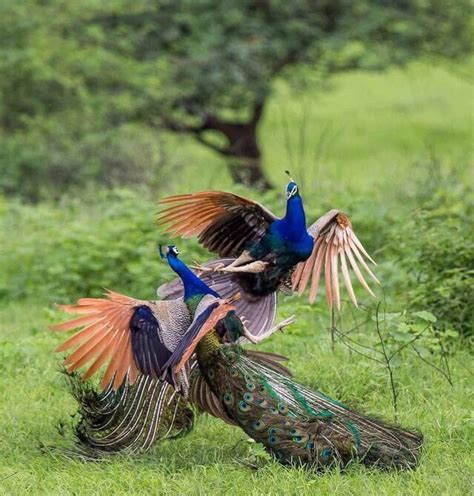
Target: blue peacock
(139, 402)
(295, 424)
(263, 253)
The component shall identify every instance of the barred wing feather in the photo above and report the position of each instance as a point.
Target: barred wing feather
(223, 222)
(125, 335)
(335, 245)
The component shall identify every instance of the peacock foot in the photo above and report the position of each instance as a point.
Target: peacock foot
(201, 269)
(251, 268)
(279, 327)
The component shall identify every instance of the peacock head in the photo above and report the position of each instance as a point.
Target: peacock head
(170, 251)
(291, 187)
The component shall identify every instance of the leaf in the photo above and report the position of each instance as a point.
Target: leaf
(451, 333)
(425, 315)
(424, 352)
(389, 316)
(404, 328)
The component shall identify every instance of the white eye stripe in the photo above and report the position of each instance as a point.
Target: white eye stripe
(292, 192)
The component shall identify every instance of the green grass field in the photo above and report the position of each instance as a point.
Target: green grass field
(365, 138)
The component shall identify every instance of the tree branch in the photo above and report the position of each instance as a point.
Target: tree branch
(180, 127)
(212, 146)
(388, 365)
(210, 123)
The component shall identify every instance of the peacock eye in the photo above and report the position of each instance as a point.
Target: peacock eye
(273, 439)
(248, 397)
(325, 453)
(244, 407)
(258, 425)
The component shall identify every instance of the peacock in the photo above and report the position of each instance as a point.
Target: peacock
(262, 253)
(295, 424)
(135, 405)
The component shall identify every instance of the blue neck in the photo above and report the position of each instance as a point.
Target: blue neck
(193, 286)
(294, 222)
(295, 212)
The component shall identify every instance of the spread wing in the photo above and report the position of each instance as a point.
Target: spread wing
(121, 333)
(335, 243)
(223, 222)
(258, 312)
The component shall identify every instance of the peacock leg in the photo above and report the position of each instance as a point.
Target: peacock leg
(279, 327)
(244, 258)
(251, 268)
(202, 269)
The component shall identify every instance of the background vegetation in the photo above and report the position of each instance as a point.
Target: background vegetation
(81, 170)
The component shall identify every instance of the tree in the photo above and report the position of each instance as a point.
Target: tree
(206, 67)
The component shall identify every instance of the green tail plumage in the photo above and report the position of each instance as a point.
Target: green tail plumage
(129, 420)
(296, 424)
(136, 417)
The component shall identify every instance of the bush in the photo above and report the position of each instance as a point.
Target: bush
(108, 239)
(70, 152)
(435, 248)
(76, 248)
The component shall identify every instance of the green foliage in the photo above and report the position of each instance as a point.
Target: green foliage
(416, 331)
(57, 132)
(435, 248)
(66, 154)
(84, 85)
(63, 252)
(209, 57)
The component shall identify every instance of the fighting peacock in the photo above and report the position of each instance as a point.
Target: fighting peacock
(263, 253)
(295, 424)
(134, 406)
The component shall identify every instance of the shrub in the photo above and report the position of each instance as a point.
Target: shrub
(435, 248)
(72, 151)
(77, 248)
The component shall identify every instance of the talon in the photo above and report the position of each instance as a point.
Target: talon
(251, 268)
(201, 268)
(285, 323)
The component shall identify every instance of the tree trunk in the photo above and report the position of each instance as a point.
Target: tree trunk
(245, 164)
(248, 171)
(242, 150)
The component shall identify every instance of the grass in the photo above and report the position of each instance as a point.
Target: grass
(365, 135)
(216, 458)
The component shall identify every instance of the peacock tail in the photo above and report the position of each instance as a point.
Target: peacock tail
(130, 419)
(135, 417)
(294, 423)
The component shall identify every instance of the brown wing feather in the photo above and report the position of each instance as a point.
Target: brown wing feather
(217, 314)
(224, 223)
(105, 337)
(334, 242)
